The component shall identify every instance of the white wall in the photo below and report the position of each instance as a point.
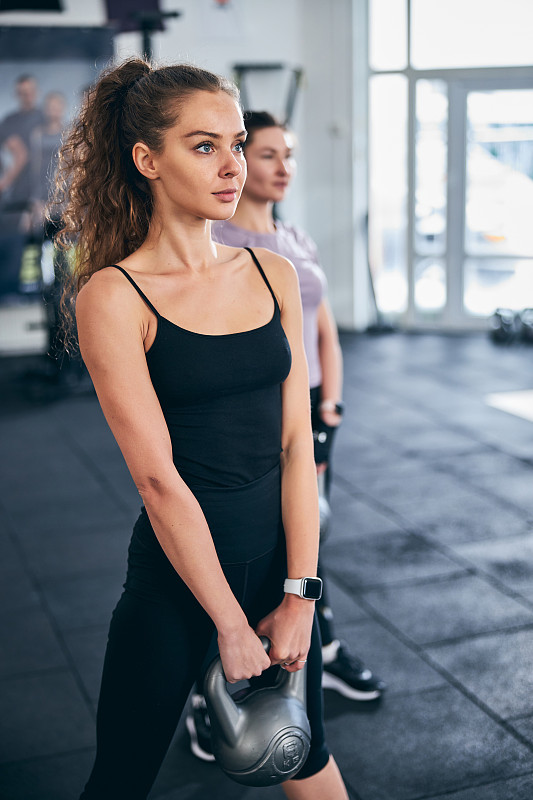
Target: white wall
(217, 37)
(315, 34)
(329, 151)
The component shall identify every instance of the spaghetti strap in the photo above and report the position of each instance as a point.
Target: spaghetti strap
(261, 270)
(141, 293)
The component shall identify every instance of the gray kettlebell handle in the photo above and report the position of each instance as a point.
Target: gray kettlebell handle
(216, 669)
(267, 644)
(228, 714)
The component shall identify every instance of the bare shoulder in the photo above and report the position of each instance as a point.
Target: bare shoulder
(105, 291)
(278, 269)
(109, 315)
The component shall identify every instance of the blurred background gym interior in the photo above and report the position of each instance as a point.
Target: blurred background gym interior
(414, 121)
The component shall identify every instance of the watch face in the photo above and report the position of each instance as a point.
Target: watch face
(312, 589)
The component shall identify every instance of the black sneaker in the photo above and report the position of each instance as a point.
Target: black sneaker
(199, 727)
(349, 676)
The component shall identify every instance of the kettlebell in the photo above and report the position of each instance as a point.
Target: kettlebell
(263, 738)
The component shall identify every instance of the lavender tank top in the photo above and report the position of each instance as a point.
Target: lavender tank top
(298, 247)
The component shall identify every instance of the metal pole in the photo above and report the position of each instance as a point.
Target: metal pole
(146, 42)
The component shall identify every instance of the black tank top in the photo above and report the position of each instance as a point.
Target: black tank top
(220, 396)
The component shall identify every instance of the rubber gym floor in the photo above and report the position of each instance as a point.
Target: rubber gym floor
(430, 562)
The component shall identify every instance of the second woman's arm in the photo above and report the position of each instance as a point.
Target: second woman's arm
(330, 356)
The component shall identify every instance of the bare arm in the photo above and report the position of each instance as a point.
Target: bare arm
(329, 353)
(112, 322)
(289, 626)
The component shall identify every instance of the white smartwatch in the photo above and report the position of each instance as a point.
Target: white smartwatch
(308, 588)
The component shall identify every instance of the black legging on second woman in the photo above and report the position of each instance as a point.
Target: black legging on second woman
(324, 613)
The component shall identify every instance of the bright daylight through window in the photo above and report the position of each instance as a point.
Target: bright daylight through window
(451, 158)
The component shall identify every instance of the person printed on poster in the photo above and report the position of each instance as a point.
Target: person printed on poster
(15, 181)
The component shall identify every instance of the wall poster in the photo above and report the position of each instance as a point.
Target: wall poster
(44, 73)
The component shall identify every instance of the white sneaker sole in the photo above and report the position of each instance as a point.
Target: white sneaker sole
(195, 747)
(329, 681)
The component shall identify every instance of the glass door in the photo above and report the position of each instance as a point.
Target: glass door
(450, 143)
(471, 213)
(498, 218)
(429, 217)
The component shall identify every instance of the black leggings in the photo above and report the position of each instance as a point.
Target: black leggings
(159, 637)
(324, 612)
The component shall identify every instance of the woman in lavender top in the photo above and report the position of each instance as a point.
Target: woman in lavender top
(271, 165)
(324, 357)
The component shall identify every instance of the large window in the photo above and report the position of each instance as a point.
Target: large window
(388, 190)
(451, 158)
(388, 34)
(499, 200)
(471, 33)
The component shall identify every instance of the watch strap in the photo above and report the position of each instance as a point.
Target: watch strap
(293, 586)
(308, 588)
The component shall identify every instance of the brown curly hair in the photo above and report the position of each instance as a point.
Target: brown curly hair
(104, 204)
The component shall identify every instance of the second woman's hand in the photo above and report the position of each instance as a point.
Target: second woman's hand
(289, 629)
(242, 653)
(331, 418)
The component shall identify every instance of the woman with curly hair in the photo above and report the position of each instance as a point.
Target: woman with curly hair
(196, 353)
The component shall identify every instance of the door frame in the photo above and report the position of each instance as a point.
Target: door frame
(459, 83)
